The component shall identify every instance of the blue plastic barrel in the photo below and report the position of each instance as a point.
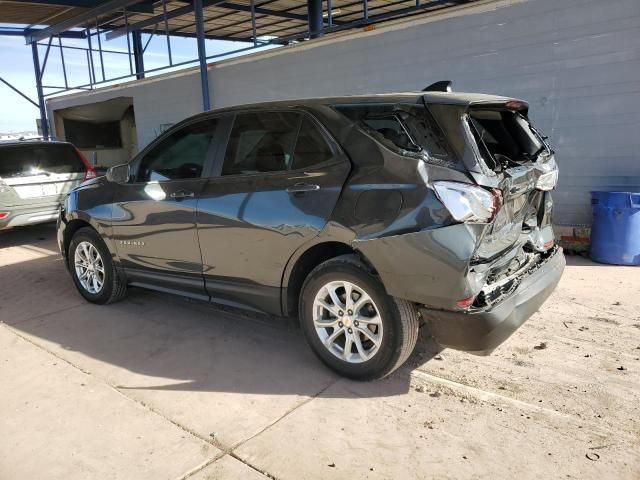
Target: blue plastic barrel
(615, 230)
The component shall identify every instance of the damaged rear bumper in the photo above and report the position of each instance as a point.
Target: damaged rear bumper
(481, 332)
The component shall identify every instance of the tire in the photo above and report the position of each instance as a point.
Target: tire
(112, 287)
(392, 333)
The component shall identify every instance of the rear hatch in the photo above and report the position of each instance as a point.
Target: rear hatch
(508, 157)
(38, 173)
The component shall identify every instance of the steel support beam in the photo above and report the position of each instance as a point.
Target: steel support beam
(24, 32)
(138, 54)
(81, 19)
(90, 56)
(166, 30)
(314, 14)
(64, 68)
(41, 104)
(202, 54)
(254, 34)
(19, 92)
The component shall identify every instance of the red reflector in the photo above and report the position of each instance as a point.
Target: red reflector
(4, 214)
(548, 244)
(465, 302)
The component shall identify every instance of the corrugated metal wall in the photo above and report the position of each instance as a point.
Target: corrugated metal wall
(576, 61)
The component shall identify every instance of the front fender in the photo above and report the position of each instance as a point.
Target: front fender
(90, 204)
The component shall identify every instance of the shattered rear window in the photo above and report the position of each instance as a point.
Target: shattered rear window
(505, 138)
(406, 129)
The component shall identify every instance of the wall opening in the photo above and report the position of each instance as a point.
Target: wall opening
(104, 131)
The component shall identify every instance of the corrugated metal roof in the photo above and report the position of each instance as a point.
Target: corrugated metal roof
(35, 14)
(230, 20)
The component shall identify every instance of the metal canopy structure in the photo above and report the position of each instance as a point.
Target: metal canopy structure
(259, 23)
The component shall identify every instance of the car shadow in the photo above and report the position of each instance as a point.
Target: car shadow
(34, 234)
(158, 342)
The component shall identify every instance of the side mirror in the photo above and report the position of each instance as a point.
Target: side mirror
(118, 173)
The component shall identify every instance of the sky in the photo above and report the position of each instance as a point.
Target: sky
(16, 67)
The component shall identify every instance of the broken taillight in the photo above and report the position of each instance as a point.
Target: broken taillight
(465, 302)
(468, 203)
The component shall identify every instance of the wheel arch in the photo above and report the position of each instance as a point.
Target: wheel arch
(304, 262)
(77, 219)
(71, 228)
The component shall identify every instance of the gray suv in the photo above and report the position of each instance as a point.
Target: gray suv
(361, 216)
(35, 178)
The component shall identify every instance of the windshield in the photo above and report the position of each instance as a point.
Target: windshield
(35, 159)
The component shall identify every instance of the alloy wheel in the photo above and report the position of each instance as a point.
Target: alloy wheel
(347, 321)
(89, 267)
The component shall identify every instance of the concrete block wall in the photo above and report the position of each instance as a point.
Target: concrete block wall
(577, 62)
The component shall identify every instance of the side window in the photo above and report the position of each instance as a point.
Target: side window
(405, 127)
(392, 129)
(383, 122)
(181, 155)
(311, 147)
(261, 142)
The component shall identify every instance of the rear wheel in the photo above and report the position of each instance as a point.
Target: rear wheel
(352, 324)
(91, 267)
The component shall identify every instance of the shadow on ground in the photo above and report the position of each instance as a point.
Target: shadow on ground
(34, 235)
(161, 342)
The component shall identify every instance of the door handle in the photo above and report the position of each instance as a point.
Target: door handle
(302, 188)
(182, 194)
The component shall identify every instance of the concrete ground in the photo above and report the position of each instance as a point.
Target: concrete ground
(159, 387)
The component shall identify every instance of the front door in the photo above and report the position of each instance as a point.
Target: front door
(154, 215)
(279, 181)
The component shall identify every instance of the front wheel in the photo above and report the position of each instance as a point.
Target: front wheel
(352, 324)
(91, 267)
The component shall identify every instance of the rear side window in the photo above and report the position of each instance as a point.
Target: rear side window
(403, 128)
(181, 155)
(23, 160)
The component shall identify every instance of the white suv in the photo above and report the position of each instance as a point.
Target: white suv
(35, 177)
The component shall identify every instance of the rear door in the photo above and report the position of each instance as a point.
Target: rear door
(154, 214)
(39, 173)
(273, 190)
